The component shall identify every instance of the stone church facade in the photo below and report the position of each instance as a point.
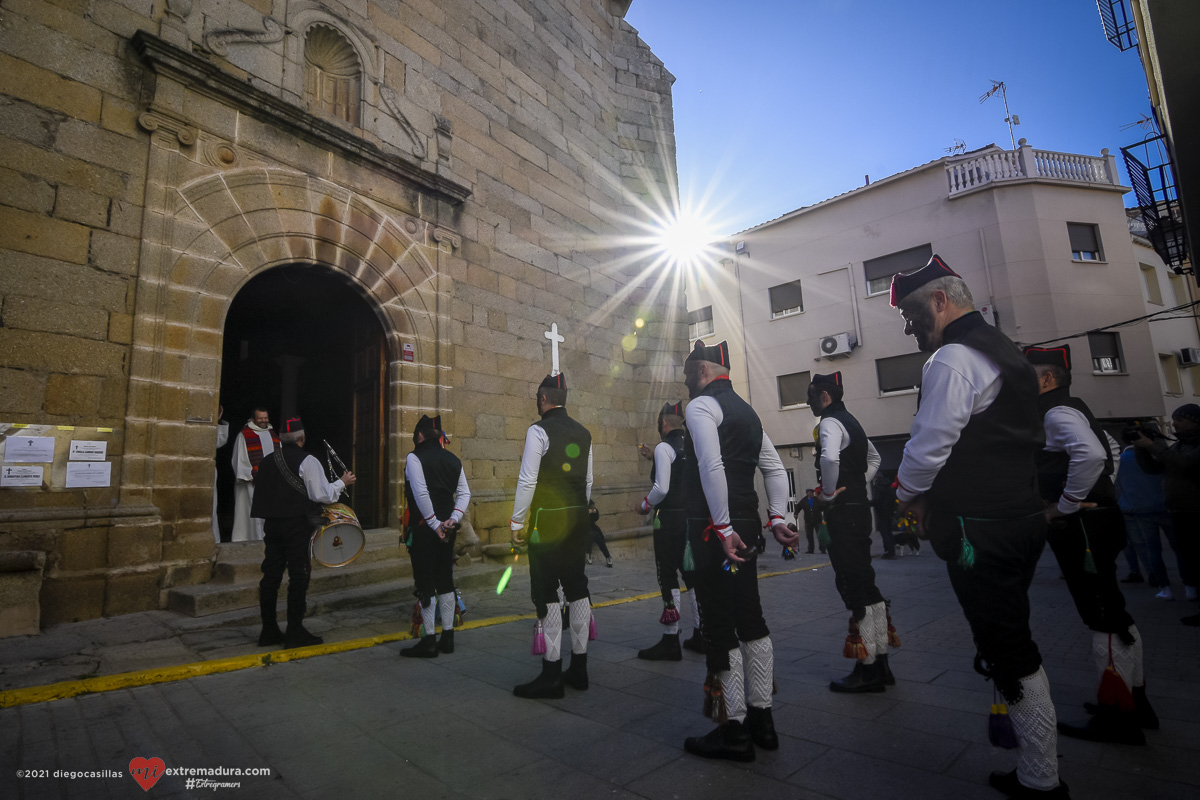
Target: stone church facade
(471, 169)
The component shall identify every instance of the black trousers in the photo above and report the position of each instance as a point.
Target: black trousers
(994, 592)
(286, 541)
(432, 563)
(809, 531)
(556, 556)
(730, 609)
(850, 555)
(1187, 538)
(670, 538)
(1097, 595)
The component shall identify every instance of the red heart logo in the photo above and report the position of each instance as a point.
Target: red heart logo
(147, 771)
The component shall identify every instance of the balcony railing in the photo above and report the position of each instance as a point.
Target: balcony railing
(1002, 166)
(1153, 177)
(1119, 27)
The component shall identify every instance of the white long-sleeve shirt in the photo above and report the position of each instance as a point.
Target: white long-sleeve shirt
(957, 382)
(318, 488)
(537, 443)
(664, 458)
(1068, 431)
(834, 439)
(704, 416)
(414, 476)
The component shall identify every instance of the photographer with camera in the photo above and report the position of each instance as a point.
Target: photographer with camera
(1179, 464)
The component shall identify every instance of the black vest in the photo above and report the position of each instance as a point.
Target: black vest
(562, 475)
(852, 473)
(673, 501)
(1052, 466)
(442, 470)
(991, 472)
(740, 434)
(274, 497)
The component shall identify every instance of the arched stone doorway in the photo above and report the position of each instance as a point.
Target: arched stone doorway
(301, 339)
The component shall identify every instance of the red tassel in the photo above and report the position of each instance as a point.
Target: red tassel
(670, 614)
(1113, 692)
(854, 647)
(416, 619)
(539, 640)
(708, 698)
(592, 628)
(893, 637)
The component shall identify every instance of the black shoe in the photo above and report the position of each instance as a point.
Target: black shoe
(271, 635)
(576, 675)
(1133, 577)
(426, 648)
(888, 556)
(446, 643)
(1192, 621)
(696, 643)
(548, 685)
(1114, 727)
(667, 649)
(1144, 712)
(888, 678)
(729, 741)
(864, 678)
(298, 636)
(762, 727)
(1007, 782)
(608, 562)
(809, 551)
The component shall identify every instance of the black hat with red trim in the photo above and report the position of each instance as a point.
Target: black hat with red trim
(1059, 356)
(293, 425)
(429, 426)
(558, 381)
(716, 354)
(905, 283)
(831, 383)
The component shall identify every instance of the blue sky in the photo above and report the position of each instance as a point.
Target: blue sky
(779, 105)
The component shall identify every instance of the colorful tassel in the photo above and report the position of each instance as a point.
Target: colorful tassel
(534, 538)
(823, 536)
(707, 710)
(592, 628)
(1001, 732)
(657, 523)
(460, 608)
(788, 554)
(893, 637)
(418, 628)
(539, 640)
(670, 614)
(1113, 692)
(966, 556)
(689, 562)
(854, 647)
(1089, 562)
(714, 700)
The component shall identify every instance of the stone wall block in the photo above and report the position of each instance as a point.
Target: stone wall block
(21, 391)
(129, 592)
(130, 545)
(82, 549)
(71, 599)
(73, 395)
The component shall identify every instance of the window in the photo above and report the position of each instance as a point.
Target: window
(1106, 352)
(900, 373)
(786, 300)
(1085, 241)
(1170, 369)
(332, 74)
(879, 271)
(793, 389)
(1178, 289)
(700, 323)
(1150, 278)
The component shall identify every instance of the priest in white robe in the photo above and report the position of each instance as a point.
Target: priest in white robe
(222, 439)
(255, 441)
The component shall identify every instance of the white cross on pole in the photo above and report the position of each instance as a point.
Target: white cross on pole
(555, 338)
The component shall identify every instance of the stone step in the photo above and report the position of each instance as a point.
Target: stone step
(399, 593)
(241, 562)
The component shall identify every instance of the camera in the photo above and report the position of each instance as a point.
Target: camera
(1130, 433)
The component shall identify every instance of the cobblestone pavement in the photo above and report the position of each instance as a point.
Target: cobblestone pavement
(366, 723)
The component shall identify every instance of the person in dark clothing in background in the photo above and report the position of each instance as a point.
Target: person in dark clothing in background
(810, 514)
(883, 503)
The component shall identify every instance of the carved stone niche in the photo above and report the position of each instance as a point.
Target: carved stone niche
(332, 75)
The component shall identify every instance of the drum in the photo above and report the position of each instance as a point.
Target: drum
(339, 538)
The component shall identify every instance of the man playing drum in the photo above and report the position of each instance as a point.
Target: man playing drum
(290, 487)
(436, 491)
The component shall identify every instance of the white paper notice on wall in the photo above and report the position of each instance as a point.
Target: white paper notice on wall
(21, 476)
(88, 474)
(29, 449)
(88, 451)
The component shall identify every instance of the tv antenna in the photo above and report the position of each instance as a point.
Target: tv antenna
(959, 146)
(1146, 123)
(998, 87)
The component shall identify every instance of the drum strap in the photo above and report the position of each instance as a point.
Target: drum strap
(292, 478)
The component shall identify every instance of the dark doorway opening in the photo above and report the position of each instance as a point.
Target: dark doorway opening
(301, 340)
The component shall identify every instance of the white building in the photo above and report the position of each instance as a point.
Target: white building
(1041, 238)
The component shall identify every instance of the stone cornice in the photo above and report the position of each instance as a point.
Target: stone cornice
(207, 78)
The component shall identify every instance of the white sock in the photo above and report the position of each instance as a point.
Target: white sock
(580, 612)
(446, 603)
(428, 617)
(695, 609)
(733, 688)
(760, 671)
(1035, 722)
(552, 630)
(866, 632)
(879, 632)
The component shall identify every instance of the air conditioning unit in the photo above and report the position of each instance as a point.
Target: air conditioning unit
(1189, 356)
(838, 344)
(740, 249)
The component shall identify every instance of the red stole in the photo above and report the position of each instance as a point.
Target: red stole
(254, 447)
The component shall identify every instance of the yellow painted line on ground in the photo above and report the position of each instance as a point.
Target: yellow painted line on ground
(128, 680)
